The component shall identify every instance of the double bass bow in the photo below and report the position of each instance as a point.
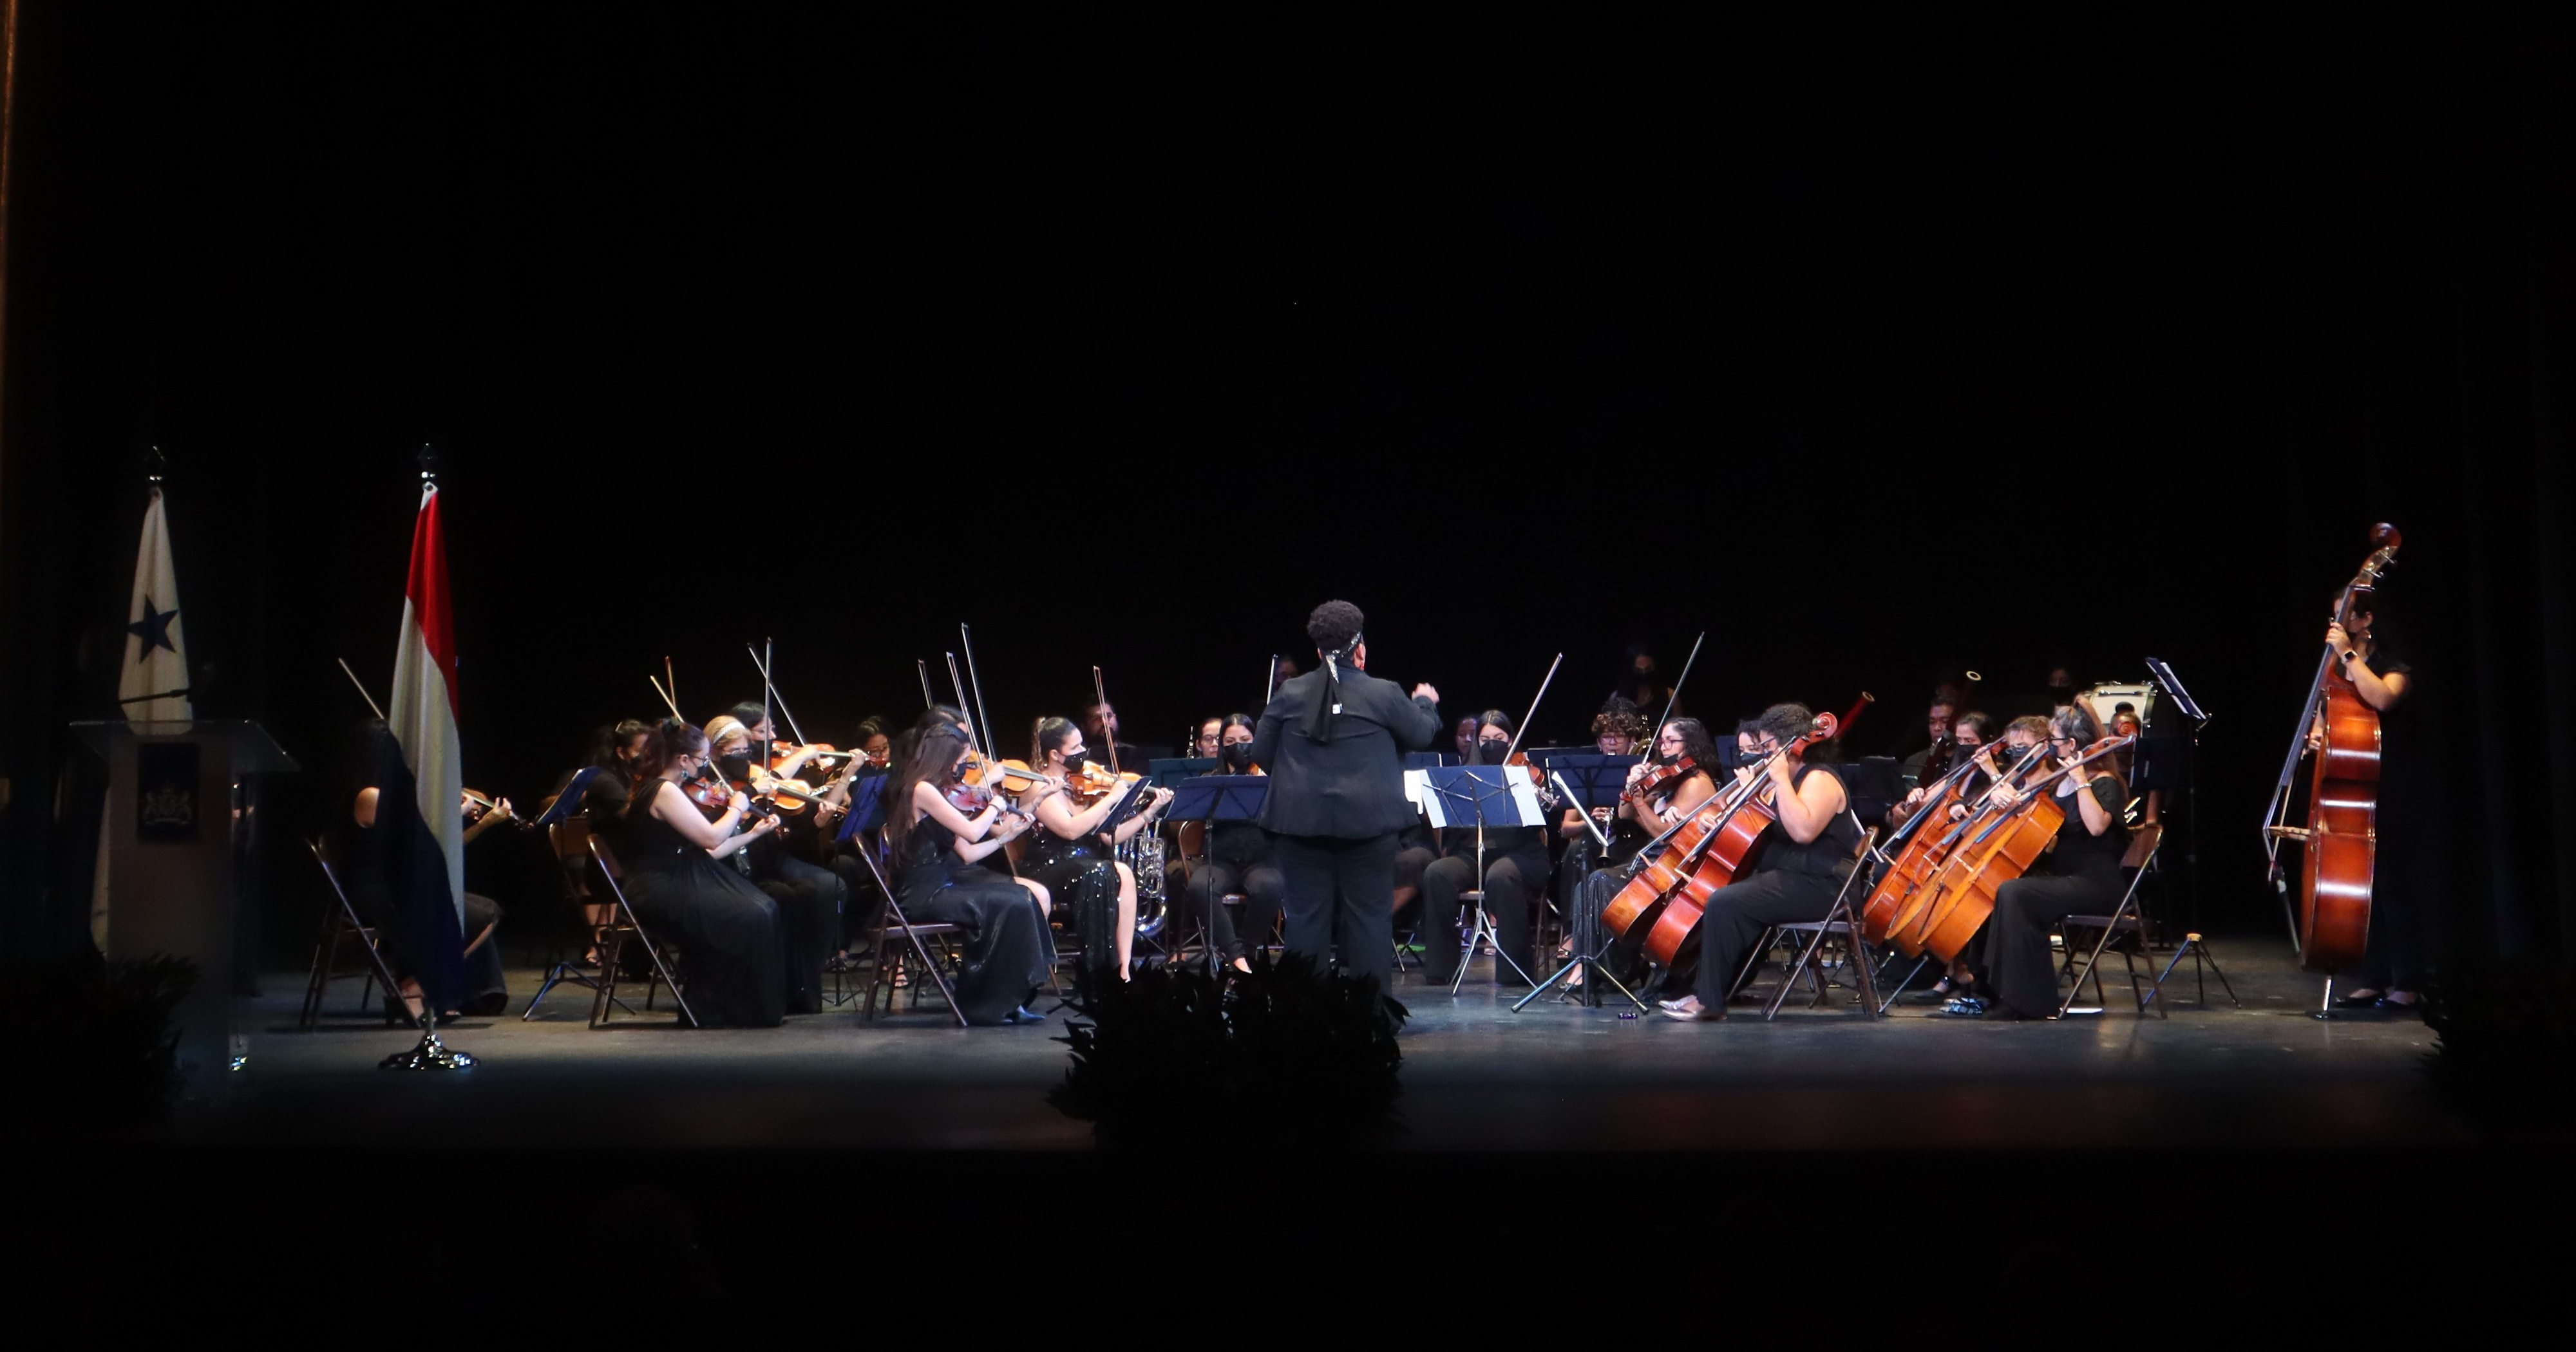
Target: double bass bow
(2338, 839)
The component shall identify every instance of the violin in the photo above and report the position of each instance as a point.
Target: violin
(1729, 851)
(1658, 779)
(1964, 891)
(2338, 842)
(481, 805)
(1091, 783)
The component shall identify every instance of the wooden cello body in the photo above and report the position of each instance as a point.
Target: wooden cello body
(2339, 835)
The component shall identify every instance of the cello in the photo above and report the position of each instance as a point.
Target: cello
(1963, 894)
(1920, 852)
(2339, 838)
(1729, 851)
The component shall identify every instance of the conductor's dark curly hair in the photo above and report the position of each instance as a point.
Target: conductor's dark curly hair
(1333, 625)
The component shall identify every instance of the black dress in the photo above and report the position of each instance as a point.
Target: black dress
(1005, 960)
(725, 927)
(1082, 878)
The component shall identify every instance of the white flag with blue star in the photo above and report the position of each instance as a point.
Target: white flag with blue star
(156, 657)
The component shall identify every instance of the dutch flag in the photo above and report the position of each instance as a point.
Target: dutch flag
(418, 796)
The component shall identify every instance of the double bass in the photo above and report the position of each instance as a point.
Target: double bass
(2339, 837)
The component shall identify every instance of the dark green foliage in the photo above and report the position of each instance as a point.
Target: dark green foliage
(1280, 1058)
(2507, 1048)
(88, 1045)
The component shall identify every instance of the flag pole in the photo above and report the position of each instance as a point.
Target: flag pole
(429, 1053)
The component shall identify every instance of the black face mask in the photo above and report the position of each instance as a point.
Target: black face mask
(1492, 752)
(1237, 756)
(735, 766)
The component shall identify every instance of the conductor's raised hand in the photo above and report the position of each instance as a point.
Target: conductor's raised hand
(1423, 690)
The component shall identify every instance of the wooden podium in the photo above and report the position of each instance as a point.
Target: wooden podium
(182, 808)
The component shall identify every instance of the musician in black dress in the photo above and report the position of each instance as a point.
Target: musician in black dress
(2079, 875)
(1639, 820)
(1333, 741)
(684, 888)
(1515, 873)
(936, 846)
(1073, 858)
(365, 862)
(1811, 848)
(2393, 962)
(810, 897)
(1239, 861)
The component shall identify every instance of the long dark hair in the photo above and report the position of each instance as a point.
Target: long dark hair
(927, 758)
(1696, 744)
(669, 740)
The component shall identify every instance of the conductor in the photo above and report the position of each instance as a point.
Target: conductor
(1333, 741)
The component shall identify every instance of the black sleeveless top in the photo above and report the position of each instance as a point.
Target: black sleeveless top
(1829, 855)
(2081, 853)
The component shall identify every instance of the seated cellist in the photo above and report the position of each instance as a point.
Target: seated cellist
(1802, 866)
(2016, 968)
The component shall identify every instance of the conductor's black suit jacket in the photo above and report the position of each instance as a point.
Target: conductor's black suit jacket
(1353, 785)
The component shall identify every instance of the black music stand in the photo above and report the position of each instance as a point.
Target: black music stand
(1217, 798)
(1167, 772)
(1589, 780)
(568, 801)
(1485, 792)
(1428, 760)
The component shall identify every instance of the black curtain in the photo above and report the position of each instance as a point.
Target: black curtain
(2224, 289)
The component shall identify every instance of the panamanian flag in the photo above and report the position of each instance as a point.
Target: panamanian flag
(156, 662)
(419, 789)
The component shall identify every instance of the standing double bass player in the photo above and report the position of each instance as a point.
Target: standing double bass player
(1333, 741)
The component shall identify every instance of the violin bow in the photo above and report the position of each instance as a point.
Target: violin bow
(928, 700)
(768, 692)
(667, 702)
(671, 688)
(975, 725)
(769, 689)
(1674, 695)
(1270, 682)
(1543, 684)
(1100, 693)
(362, 689)
(965, 640)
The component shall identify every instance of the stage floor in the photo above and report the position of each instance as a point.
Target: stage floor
(1477, 1077)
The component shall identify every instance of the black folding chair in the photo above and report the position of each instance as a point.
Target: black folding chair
(340, 927)
(612, 946)
(896, 929)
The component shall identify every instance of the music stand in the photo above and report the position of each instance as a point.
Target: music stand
(1428, 760)
(1217, 798)
(1589, 780)
(867, 803)
(1496, 794)
(569, 800)
(1168, 772)
(2171, 684)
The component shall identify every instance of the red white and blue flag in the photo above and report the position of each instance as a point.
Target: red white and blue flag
(419, 796)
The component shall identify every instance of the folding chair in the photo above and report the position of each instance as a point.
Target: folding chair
(2129, 919)
(612, 946)
(897, 928)
(340, 925)
(1839, 920)
(570, 838)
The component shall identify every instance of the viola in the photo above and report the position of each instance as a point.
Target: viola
(2338, 840)
(1729, 851)
(1963, 893)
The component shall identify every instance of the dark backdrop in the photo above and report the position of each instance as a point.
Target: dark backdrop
(1872, 351)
